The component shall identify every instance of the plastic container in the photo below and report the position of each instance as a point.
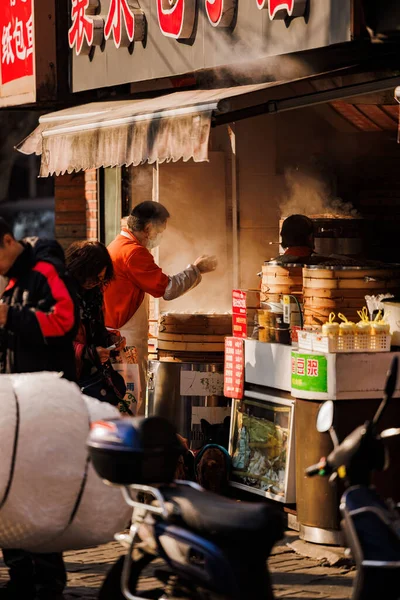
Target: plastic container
(137, 450)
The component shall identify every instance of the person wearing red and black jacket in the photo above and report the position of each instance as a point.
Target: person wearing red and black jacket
(38, 323)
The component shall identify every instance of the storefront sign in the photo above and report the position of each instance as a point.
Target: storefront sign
(106, 39)
(220, 13)
(176, 17)
(82, 28)
(234, 368)
(239, 314)
(28, 61)
(281, 9)
(16, 50)
(309, 372)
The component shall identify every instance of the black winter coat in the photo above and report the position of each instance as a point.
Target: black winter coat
(43, 313)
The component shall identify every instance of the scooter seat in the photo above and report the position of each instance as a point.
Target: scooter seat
(224, 520)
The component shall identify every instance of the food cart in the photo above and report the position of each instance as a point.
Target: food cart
(273, 435)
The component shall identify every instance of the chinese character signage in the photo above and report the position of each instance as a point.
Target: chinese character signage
(17, 35)
(234, 368)
(125, 41)
(239, 314)
(309, 372)
(281, 9)
(121, 23)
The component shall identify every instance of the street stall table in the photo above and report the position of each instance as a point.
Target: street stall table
(279, 378)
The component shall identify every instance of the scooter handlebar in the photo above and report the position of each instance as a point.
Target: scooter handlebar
(314, 469)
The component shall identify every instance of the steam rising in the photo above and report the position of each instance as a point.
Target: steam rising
(180, 248)
(308, 193)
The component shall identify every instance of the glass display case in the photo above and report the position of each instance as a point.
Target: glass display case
(262, 446)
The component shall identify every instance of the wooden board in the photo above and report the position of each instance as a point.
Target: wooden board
(196, 324)
(191, 346)
(208, 358)
(185, 338)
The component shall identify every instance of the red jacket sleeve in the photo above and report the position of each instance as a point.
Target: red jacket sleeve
(145, 274)
(40, 326)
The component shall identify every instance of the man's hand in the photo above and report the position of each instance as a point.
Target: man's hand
(206, 264)
(3, 313)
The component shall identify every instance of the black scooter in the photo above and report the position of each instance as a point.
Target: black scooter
(212, 547)
(370, 525)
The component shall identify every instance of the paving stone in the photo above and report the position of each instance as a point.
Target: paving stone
(293, 576)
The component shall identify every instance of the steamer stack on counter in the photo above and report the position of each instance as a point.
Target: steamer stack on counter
(279, 280)
(193, 337)
(343, 289)
(324, 290)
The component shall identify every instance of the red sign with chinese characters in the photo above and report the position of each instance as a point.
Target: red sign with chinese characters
(119, 11)
(16, 30)
(176, 17)
(220, 13)
(82, 28)
(234, 368)
(239, 314)
(280, 9)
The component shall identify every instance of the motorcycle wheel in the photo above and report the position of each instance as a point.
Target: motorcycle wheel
(111, 588)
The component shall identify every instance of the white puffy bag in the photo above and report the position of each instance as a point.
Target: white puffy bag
(51, 499)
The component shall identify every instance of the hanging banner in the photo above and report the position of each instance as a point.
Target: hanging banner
(17, 40)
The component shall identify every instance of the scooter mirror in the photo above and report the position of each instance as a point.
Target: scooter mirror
(325, 416)
(388, 433)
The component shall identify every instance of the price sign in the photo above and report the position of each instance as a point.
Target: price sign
(239, 314)
(234, 368)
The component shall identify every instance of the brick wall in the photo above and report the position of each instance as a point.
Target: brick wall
(76, 208)
(92, 214)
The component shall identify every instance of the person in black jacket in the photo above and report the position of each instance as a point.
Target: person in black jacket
(38, 320)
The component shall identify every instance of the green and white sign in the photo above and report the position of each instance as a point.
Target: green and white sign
(309, 372)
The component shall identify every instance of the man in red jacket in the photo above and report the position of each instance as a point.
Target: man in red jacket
(137, 274)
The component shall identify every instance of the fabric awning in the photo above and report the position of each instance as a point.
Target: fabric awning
(110, 134)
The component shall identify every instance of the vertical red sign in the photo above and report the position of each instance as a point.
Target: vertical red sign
(239, 314)
(234, 368)
(17, 35)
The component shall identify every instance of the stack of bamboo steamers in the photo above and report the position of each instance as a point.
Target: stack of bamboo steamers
(193, 337)
(324, 289)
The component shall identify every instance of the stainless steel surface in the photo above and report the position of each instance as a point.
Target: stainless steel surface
(316, 535)
(165, 399)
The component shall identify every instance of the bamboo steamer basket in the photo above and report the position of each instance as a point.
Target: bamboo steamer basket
(195, 324)
(278, 280)
(193, 337)
(343, 289)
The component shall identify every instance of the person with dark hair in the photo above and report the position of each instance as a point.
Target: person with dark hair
(90, 265)
(297, 235)
(137, 274)
(38, 318)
